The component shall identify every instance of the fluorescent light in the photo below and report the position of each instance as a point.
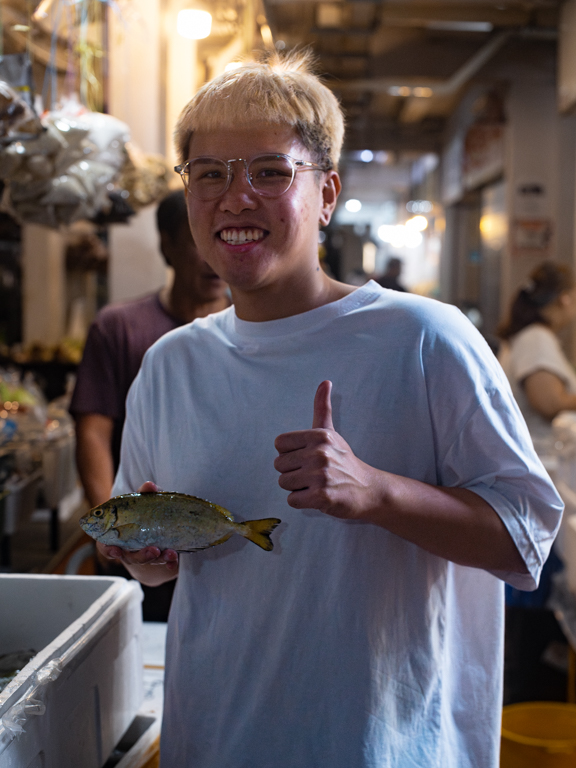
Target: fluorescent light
(194, 24)
(353, 205)
(461, 26)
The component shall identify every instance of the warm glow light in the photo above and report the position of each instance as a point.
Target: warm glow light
(398, 236)
(369, 257)
(353, 205)
(266, 34)
(417, 223)
(422, 92)
(194, 24)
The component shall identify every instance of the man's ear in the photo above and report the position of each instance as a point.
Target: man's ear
(330, 191)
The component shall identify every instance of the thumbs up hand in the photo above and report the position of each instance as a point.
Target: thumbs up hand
(319, 468)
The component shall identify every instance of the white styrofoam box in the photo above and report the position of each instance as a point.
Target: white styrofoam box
(80, 692)
(570, 552)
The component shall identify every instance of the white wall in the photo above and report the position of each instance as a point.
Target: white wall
(136, 266)
(152, 76)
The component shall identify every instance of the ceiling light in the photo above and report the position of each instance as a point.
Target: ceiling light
(266, 34)
(366, 156)
(460, 26)
(194, 24)
(353, 205)
(400, 90)
(419, 206)
(422, 92)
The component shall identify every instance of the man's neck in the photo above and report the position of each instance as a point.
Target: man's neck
(279, 301)
(184, 307)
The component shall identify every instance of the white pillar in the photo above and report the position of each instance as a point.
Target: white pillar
(43, 285)
(137, 96)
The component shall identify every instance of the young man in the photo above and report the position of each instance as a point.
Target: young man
(372, 634)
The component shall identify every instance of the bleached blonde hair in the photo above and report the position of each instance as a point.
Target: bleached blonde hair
(281, 90)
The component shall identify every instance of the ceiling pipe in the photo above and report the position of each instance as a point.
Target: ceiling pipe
(459, 78)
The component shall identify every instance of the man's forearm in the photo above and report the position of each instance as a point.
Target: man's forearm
(94, 456)
(453, 523)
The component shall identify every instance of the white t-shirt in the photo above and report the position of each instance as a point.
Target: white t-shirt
(347, 646)
(535, 348)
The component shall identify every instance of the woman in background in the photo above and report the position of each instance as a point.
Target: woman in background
(544, 383)
(543, 380)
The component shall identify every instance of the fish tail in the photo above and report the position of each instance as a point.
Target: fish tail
(259, 531)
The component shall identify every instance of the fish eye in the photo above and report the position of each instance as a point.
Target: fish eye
(98, 512)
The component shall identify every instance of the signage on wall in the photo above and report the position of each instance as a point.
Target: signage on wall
(532, 237)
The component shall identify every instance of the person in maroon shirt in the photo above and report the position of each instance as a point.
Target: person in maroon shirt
(118, 339)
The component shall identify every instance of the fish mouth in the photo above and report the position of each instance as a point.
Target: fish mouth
(242, 235)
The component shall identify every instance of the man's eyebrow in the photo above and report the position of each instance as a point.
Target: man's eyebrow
(205, 159)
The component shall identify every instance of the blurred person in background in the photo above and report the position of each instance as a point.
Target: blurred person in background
(542, 378)
(117, 341)
(543, 382)
(389, 279)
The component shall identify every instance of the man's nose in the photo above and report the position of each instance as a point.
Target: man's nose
(239, 196)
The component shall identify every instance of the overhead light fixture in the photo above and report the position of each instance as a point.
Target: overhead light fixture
(460, 26)
(419, 206)
(419, 91)
(366, 156)
(266, 34)
(194, 24)
(353, 205)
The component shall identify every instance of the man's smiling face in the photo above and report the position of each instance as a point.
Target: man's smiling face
(254, 242)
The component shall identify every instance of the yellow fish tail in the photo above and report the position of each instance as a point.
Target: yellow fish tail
(259, 531)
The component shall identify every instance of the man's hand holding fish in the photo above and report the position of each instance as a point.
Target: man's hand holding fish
(138, 563)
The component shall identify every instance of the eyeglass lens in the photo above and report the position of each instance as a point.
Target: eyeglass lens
(269, 175)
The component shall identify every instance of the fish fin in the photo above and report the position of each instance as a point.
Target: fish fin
(259, 531)
(207, 546)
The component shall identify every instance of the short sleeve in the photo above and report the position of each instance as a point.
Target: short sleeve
(97, 387)
(493, 457)
(483, 444)
(536, 349)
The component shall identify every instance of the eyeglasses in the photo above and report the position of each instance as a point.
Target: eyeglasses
(207, 178)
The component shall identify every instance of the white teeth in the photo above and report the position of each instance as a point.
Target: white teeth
(239, 236)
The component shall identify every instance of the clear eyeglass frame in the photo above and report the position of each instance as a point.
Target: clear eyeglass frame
(295, 165)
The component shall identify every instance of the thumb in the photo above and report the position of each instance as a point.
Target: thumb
(323, 407)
